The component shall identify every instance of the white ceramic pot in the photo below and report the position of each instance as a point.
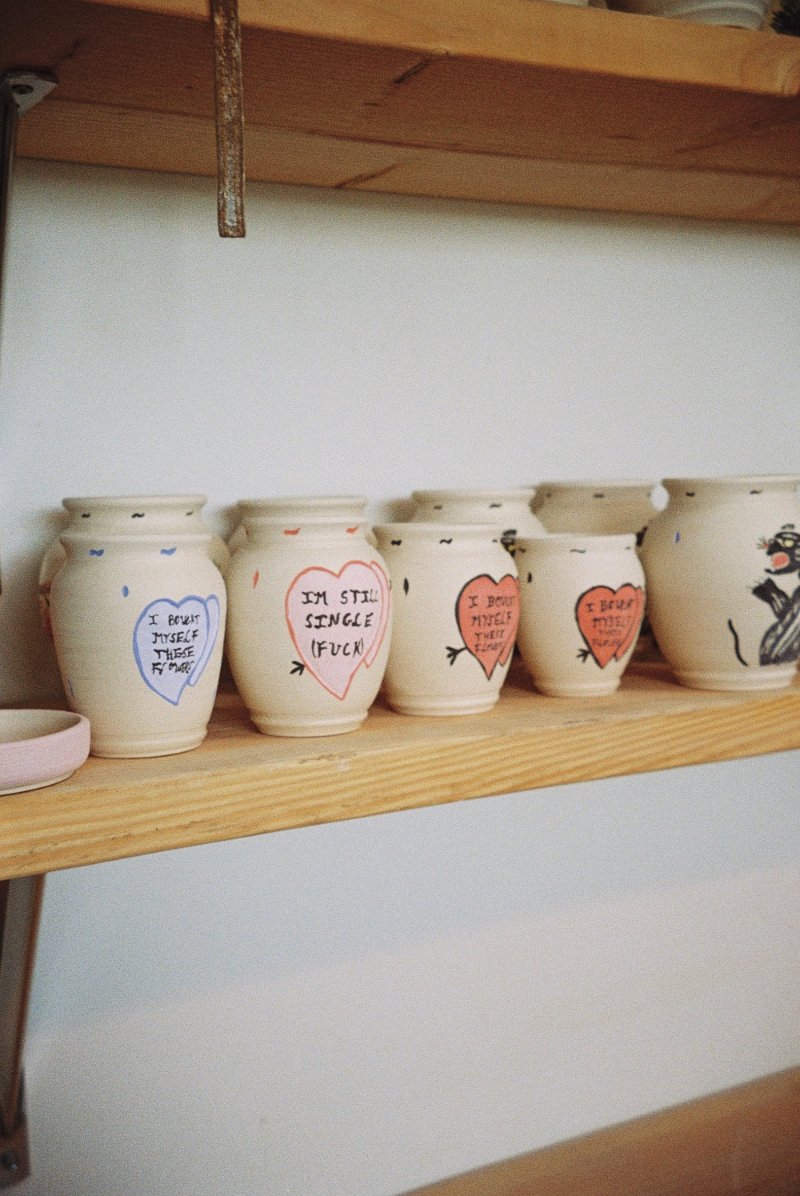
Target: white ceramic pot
(138, 621)
(150, 513)
(583, 601)
(605, 508)
(507, 509)
(743, 14)
(310, 616)
(336, 505)
(722, 563)
(456, 610)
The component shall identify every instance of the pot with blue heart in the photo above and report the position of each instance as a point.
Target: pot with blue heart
(138, 625)
(310, 615)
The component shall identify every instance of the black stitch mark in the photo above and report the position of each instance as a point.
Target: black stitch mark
(450, 541)
(406, 586)
(437, 507)
(137, 515)
(598, 496)
(86, 515)
(396, 542)
(580, 551)
(297, 667)
(736, 647)
(756, 491)
(495, 506)
(690, 493)
(530, 578)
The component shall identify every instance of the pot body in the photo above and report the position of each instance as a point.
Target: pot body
(583, 600)
(138, 622)
(146, 513)
(722, 563)
(310, 617)
(456, 612)
(598, 508)
(508, 509)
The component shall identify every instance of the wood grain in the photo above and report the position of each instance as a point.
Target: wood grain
(526, 101)
(241, 783)
(742, 1142)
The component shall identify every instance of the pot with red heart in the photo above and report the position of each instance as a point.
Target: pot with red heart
(456, 612)
(582, 604)
(309, 622)
(138, 614)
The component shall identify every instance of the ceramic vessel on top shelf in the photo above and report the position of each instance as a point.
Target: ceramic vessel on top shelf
(583, 601)
(310, 616)
(456, 610)
(138, 615)
(508, 509)
(153, 513)
(596, 507)
(742, 14)
(722, 563)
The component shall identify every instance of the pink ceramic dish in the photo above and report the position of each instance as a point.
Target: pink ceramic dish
(40, 747)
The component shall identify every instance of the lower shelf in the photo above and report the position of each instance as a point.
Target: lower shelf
(241, 783)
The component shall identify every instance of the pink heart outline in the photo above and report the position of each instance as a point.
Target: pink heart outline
(335, 672)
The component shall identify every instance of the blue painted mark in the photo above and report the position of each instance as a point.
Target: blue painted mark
(125, 591)
(96, 551)
(677, 539)
(168, 551)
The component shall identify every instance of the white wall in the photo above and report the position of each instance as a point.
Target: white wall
(357, 1009)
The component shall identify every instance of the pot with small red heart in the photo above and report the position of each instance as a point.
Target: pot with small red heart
(582, 604)
(456, 612)
(309, 619)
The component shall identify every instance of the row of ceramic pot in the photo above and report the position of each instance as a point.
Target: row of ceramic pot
(321, 611)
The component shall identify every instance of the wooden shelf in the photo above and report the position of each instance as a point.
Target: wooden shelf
(241, 783)
(524, 101)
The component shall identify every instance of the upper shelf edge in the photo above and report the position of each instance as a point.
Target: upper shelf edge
(536, 33)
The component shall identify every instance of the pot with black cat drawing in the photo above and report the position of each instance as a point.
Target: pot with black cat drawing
(456, 611)
(309, 619)
(722, 562)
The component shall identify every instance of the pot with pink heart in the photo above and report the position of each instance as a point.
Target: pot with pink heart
(309, 623)
(138, 616)
(582, 604)
(456, 611)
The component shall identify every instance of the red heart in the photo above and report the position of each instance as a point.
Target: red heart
(487, 613)
(609, 620)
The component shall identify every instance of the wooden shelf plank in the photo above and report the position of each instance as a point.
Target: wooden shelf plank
(241, 783)
(527, 101)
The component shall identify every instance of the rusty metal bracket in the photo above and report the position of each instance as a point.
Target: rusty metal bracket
(20, 910)
(229, 117)
(19, 91)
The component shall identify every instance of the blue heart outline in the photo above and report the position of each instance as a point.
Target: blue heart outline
(211, 632)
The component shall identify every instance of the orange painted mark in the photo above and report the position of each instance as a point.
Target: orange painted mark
(351, 531)
(256, 577)
(291, 531)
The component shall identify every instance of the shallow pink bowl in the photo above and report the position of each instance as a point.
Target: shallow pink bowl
(40, 747)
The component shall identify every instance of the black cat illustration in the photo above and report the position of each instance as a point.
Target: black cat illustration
(781, 641)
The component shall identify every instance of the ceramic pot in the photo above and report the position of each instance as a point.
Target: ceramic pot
(456, 597)
(582, 605)
(722, 563)
(508, 509)
(742, 14)
(337, 505)
(138, 620)
(310, 616)
(150, 513)
(601, 508)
